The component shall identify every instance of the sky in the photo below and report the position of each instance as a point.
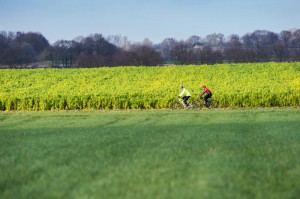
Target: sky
(155, 20)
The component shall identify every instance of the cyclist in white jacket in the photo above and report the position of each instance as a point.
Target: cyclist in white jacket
(186, 95)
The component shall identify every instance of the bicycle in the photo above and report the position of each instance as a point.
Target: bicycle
(211, 103)
(178, 104)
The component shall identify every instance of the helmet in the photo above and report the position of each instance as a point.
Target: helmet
(203, 86)
(181, 87)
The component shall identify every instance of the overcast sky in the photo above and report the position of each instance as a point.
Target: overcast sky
(152, 19)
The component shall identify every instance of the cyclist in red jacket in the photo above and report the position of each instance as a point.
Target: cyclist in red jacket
(207, 96)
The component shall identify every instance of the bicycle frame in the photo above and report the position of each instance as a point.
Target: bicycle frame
(181, 101)
(211, 103)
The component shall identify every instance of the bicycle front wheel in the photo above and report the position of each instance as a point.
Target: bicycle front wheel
(176, 106)
(194, 105)
(214, 104)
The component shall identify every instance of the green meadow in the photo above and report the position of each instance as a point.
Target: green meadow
(252, 153)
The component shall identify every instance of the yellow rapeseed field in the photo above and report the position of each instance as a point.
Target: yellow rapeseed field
(233, 85)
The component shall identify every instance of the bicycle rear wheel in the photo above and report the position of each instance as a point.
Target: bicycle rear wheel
(213, 104)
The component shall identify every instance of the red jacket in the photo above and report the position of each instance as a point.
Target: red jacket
(206, 90)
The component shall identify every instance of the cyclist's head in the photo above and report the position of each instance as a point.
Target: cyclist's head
(203, 86)
(181, 87)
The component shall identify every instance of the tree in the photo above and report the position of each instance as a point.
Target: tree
(4, 45)
(166, 47)
(234, 51)
(97, 44)
(65, 52)
(182, 54)
(147, 42)
(247, 41)
(37, 40)
(193, 40)
(119, 41)
(260, 44)
(96, 51)
(142, 55)
(295, 40)
(215, 40)
(21, 49)
(281, 51)
(294, 45)
(285, 36)
(234, 42)
(19, 55)
(208, 56)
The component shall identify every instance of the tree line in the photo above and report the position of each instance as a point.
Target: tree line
(18, 50)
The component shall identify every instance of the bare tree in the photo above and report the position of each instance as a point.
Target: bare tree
(96, 51)
(294, 45)
(234, 42)
(193, 40)
(182, 54)
(215, 40)
(260, 45)
(21, 49)
(209, 56)
(114, 39)
(234, 51)
(64, 53)
(147, 42)
(143, 55)
(37, 40)
(285, 36)
(19, 55)
(281, 51)
(166, 47)
(119, 41)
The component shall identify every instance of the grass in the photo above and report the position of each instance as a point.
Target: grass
(251, 153)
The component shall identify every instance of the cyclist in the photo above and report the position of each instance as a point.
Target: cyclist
(207, 96)
(186, 96)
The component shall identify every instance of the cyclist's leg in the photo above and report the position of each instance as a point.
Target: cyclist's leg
(206, 99)
(210, 95)
(181, 101)
(185, 99)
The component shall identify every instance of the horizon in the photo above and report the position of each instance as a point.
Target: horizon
(201, 37)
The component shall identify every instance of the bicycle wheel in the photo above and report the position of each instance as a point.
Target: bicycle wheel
(176, 106)
(213, 104)
(200, 104)
(194, 104)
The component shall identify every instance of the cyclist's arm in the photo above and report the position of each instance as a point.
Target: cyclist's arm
(182, 93)
(201, 94)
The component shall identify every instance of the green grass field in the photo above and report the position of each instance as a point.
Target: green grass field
(252, 153)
